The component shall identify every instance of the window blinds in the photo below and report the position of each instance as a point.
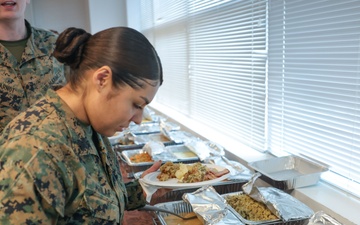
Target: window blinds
(214, 58)
(314, 84)
(277, 75)
(168, 33)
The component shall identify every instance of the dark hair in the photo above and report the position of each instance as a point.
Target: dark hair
(126, 51)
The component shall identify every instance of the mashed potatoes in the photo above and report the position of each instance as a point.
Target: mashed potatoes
(183, 169)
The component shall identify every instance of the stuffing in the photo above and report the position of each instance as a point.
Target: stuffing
(250, 209)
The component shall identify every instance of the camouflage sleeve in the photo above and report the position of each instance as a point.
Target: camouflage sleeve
(136, 198)
(31, 191)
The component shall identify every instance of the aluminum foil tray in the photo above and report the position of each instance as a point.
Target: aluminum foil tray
(146, 128)
(181, 153)
(152, 119)
(141, 140)
(289, 172)
(220, 187)
(268, 222)
(182, 207)
(150, 128)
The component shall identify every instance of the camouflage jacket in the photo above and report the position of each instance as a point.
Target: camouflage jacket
(22, 83)
(55, 170)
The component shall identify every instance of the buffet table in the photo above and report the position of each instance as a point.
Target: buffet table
(140, 140)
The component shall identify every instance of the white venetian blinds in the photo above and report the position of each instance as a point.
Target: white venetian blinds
(278, 75)
(314, 84)
(214, 59)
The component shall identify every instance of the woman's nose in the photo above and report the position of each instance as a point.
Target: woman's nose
(137, 118)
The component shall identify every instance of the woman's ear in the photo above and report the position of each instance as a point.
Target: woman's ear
(102, 77)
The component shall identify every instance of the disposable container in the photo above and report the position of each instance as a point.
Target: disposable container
(223, 187)
(302, 221)
(181, 154)
(182, 207)
(140, 141)
(150, 128)
(289, 172)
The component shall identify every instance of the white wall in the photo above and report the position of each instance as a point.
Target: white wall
(59, 15)
(91, 15)
(133, 14)
(106, 13)
(29, 13)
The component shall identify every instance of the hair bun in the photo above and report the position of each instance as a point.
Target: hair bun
(69, 46)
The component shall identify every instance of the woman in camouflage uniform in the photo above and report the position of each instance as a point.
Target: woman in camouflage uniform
(27, 68)
(56, 164)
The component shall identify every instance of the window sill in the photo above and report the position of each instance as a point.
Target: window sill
(320, 197)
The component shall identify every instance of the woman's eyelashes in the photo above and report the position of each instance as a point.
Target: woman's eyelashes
(138, 106)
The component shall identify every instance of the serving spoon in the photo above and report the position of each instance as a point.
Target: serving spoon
(158, 209)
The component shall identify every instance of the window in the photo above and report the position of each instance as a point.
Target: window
(314, 84)
(278, 75)
(214, 60)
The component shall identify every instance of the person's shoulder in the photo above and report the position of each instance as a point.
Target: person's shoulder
(42, 113)
(44, 34)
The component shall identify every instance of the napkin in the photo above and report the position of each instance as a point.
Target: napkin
(148, 189)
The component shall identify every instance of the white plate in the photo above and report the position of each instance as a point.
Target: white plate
(151, 179)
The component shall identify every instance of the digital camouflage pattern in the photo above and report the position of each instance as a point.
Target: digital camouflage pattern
(55, 170)
(22, 83)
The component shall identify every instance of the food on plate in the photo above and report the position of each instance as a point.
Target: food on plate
(250, 209)
(141, 157)
(171, 219)
(189, 173)
(182, 170)
(168, 170)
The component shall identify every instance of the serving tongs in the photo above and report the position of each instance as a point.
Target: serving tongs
(158, 209)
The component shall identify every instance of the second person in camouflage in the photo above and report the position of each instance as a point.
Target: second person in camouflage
(27, 67)
(56, 164)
